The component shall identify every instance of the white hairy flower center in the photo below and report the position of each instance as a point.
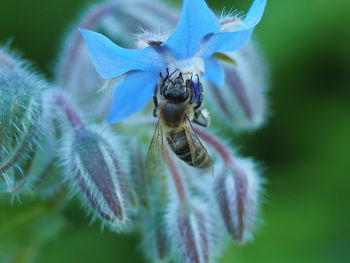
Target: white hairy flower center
(193, 66)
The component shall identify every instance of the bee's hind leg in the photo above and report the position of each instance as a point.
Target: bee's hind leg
(200, 100)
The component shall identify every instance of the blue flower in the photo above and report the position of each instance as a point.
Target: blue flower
(190, 49)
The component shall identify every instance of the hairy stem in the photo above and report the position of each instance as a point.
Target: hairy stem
(69, 110)
(219, 146)
(176, 176)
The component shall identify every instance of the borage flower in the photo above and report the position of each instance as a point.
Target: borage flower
(192, 49)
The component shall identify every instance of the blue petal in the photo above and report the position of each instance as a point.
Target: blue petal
(214, 71)
(111, 60)
(255, 13)
(132, 94)
(230, 41)
(224, 42)
(197, 20)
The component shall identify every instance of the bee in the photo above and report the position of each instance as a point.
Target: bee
(177, 103)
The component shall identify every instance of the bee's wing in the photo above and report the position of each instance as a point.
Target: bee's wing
(192, 134)
(155, 148)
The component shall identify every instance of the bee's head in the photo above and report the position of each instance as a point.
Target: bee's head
(176, 89)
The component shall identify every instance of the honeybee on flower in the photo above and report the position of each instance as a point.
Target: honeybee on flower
(205, 66)
(190, 53)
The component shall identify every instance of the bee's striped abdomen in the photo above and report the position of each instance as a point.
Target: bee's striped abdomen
(179, 143)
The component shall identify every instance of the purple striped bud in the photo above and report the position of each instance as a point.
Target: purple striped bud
(190, 232)
(98, 171)
(237, 192)
(242, 98)
(237, 189)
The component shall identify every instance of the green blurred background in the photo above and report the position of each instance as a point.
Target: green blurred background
(304, 147)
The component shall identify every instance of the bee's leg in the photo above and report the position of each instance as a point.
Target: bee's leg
(155, 101)
(200, 97)
(199, 103)
(191, 90)
(202, 118)
(191, 97)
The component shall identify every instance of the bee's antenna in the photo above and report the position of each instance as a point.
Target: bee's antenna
(176, 70)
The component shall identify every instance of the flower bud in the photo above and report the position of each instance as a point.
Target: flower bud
(154, 237)
(20, 116)
(190, 232)
(241, 99)
(237, 191)
(98, 171)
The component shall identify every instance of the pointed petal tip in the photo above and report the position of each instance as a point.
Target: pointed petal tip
(255, 13)
(84, 32)
(233, 40)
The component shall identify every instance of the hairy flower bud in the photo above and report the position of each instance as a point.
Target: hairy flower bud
(98, 171)
(190, 232)
(20, 116)
(237, 192)
(242, 98)
(237, 188)
(154, 237)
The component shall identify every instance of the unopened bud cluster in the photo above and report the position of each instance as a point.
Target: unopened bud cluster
(183, 214)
